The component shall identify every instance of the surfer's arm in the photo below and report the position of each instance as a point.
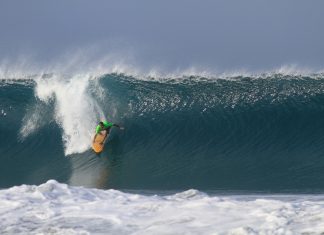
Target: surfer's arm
(120, 127)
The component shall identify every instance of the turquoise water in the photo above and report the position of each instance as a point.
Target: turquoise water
(240, 133)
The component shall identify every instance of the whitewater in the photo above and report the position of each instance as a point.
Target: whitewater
(233, 153)
(54, 208)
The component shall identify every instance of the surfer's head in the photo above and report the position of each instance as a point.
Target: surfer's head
(101, 124)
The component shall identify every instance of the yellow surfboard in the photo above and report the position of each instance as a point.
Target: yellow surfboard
(98, 144)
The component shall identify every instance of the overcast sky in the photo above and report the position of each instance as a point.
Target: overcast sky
(222, 34)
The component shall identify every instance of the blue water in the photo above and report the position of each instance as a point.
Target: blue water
(239, 133)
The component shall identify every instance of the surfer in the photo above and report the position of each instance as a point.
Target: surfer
(103, 128)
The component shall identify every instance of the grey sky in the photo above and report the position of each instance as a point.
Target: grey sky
(221, 34)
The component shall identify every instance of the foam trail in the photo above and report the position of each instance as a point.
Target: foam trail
(76, 111)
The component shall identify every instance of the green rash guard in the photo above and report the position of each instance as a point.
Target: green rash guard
(106, 125)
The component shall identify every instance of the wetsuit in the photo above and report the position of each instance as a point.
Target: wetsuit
(107, 126)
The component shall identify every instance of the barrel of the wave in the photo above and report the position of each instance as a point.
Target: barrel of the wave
(101, 135)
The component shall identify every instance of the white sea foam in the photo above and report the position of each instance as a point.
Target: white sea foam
(76, 111)
(54, 208)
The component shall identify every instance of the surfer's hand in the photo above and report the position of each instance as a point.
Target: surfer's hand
(121, 128)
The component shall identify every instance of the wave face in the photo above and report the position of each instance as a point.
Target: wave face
(241, 133)
(54, 208)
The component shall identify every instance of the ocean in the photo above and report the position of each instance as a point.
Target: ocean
(200, 154)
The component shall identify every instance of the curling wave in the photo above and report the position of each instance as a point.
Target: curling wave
(239, 133)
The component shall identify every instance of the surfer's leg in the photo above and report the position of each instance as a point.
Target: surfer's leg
(106, 133)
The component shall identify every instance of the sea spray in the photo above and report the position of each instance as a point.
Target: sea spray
(76, 110)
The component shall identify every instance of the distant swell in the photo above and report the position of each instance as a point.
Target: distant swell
(240, 133)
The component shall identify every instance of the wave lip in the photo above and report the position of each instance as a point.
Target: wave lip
(57, 208)
(85, 63)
